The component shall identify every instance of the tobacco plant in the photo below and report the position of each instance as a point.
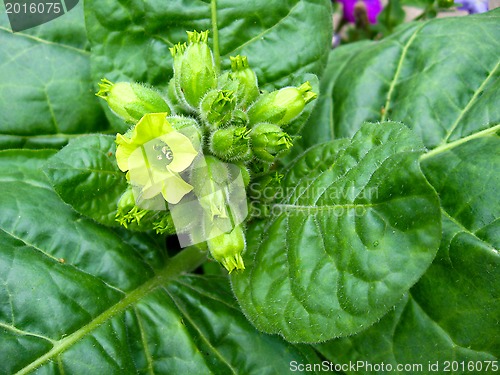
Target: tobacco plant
(243, 199)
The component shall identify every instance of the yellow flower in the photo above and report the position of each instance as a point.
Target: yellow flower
(154, 155)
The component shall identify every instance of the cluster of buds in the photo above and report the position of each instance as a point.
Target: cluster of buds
(205, 114)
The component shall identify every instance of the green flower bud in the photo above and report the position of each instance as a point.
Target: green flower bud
(164, 224)
(175, 93)
(240, 118)
(216, 107)
(194, 69)
(131, 101)
(281, 106)
(135, 218)
(173, 100)
(227, 248)
(231, 144)
(248, 89)
(268, 140)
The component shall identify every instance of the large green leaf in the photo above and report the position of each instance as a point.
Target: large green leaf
(452, 312)
(440, 77)
(358, 224)
(46, 95)
(79, 298)
(86, 176)
(282, 39)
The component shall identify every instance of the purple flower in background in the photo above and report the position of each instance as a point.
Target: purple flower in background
(373, 8)
(473, 6)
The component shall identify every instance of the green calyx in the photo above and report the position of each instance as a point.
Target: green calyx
(227, 249)
(131, 101)
(216, 107)
(194, 70)
(248, 89)
(133, 217)
(268, 140)
(281, 106)
(231, 144)
(197, 36)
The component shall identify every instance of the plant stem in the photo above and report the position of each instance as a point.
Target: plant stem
(215, 32)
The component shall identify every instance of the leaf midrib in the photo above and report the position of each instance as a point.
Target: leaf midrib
(185, 261)
(448, 146)
(43, 41)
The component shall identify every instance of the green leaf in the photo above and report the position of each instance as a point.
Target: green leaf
(45, 92)
(86, 176)
(130, 41)
(317, 129)
(77, 297)
(427, 75)
(356, 226)
(452, 312)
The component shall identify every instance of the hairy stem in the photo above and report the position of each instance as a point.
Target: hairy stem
(215, 32)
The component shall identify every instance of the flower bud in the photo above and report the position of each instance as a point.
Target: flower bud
(216, 107)
(163, 223)
(127, 212)
(131, 101)
(248, 89)
(268, 140)
(240, 118)
(227, 248)
(231, 144)
(135, 218)
(281, 106)
(177, 52)
(194, 69)
(172, 98)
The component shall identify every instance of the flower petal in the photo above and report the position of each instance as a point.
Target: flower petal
(175, 188)
(182, 150)
(150, 127)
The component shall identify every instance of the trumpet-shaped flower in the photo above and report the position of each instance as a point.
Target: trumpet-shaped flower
(154, 154)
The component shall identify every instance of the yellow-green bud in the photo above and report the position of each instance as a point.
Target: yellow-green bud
(268, 140)
(194, 69)
(281, 106)
(248, 89)
(131, 101)
(216, 107)
(231, 143)
(227, 248)
(136, 218)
